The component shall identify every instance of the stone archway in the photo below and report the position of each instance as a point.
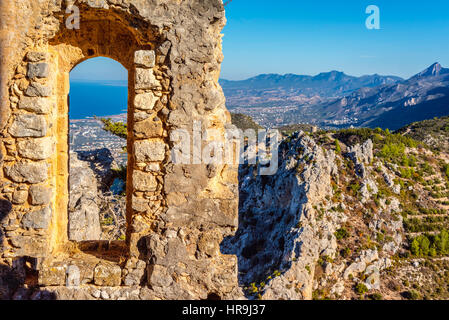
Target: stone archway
(177, 214)
(108, 35)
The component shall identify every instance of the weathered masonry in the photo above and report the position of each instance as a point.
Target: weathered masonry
(177, 215)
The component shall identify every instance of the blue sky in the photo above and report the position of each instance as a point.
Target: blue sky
(309, 37)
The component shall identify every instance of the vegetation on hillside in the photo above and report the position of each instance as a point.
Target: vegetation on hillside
(434, 132)
(292, 128)
(117, 128)
(421, 175)
(244, 122)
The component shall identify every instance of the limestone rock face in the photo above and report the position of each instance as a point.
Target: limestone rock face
(148, 128)
(278, 240)
(36, 56)
(73, 276)
(362, 155)
(145, 58)
(20, 196)
(145, 101)
(145, 79)
(144, 181)
(84, 221)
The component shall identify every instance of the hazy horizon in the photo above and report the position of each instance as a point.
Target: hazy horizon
(82, 73)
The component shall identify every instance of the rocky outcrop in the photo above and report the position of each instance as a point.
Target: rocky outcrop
(101, 162)
(285, 225)
(305, 233)
(361, 155)
(84, 213)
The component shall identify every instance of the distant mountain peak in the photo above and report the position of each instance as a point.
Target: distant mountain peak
(434, 70)
(332, 76)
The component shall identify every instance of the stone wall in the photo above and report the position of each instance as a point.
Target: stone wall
(177, 215)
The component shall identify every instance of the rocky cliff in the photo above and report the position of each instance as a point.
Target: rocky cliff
(84, 213)
(339, 219)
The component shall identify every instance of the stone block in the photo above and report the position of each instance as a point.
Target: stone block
(38, 90)
(134, 273)
(20, 196)
(145, 101)
(27, 172)
(52, 276)
(149, 128)
(145, 58)
(38, 70)
(140, 116)
(38, 105)
(140, 204)
(158, 276)
(149, 150)
(73, 276)
(39, 219)
(143, 181)
(40, 195)
(98, 4)
(28, 125)
(37, 56)
(153, 167)
(107, 275)
(36, 149)
(146, 80)
(32, 246)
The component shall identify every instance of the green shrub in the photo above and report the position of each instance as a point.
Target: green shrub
(446, 170)
(341, 233)
(116, 128)
(392, 151)
(413, 295)
(361, 288)
(355, 188)
(337, 147)
(420, 246)
(245, 122)
(441, 242)
(428, 245)
(346, 252)
(427, 169)
(376, 296)
(407, 173)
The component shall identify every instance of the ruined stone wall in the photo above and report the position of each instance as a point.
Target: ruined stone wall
(177, 214)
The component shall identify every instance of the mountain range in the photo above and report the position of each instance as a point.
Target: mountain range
(423, 96)
(335, 100)
(266, 88)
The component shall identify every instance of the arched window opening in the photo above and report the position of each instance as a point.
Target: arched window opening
(98, 158)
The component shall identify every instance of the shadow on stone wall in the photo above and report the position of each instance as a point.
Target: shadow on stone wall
(13, 279)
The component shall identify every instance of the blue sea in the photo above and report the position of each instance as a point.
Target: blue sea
(89, 98)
